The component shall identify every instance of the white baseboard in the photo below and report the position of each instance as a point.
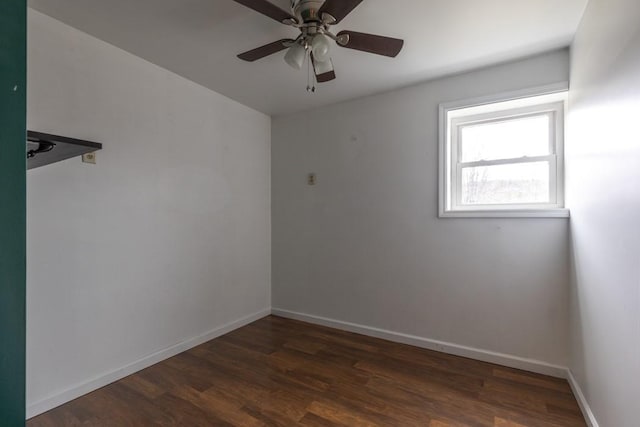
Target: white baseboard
(444, 347)
(81, 389)
(582, 400)
(531, 365)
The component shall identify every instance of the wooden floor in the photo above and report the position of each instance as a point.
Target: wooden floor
(278, 372)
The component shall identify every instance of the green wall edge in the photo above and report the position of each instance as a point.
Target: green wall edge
(13, 50)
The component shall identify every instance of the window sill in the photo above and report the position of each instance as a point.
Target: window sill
(508, 213)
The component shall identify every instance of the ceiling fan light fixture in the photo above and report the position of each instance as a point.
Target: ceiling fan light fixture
(295, 56)
(321, 47)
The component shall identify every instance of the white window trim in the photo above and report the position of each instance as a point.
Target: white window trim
(553, 94)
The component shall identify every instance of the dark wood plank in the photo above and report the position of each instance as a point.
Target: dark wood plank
(279, 372)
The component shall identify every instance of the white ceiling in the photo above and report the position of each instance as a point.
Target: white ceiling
(199, 39)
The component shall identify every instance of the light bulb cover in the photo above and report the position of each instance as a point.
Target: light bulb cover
(322, 67)
(321, 47)
(295, 56)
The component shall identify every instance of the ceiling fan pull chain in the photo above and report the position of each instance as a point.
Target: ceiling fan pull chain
(310, 89)
(308, 82)
(312, 74)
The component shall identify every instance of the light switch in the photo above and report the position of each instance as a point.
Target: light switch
(311, 179)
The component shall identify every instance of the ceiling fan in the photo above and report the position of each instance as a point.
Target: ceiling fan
(314, 19)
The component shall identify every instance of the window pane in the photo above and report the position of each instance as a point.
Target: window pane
(509, 139)
(506, 184)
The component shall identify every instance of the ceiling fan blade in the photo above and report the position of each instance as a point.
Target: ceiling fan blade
(266, 8)
(266, 50)
(338, 8)
(323, 70)
(326, 77)
(371, 43)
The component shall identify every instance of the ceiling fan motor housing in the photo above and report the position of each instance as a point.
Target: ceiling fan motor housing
(307, 10)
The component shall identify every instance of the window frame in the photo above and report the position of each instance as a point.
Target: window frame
(550, 101)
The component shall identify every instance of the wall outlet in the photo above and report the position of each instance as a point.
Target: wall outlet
(311, 179)
(89, 158)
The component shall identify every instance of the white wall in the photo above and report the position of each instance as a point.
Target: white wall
(603, 190)
(165, 239)
(365, 245)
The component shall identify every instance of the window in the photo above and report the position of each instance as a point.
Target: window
(503, 158)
